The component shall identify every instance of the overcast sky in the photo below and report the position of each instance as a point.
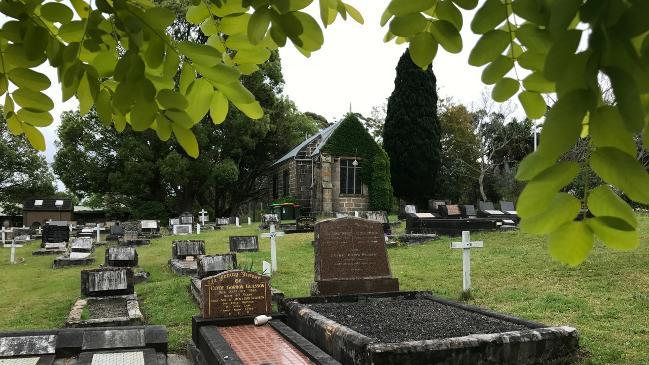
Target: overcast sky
(354, 66)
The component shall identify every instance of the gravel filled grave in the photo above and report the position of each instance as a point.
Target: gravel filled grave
(107, 308)
(397, 319)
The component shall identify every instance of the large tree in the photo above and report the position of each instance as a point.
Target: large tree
(24, 172)
(411, 134)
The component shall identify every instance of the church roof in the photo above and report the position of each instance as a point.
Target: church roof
(324, 134)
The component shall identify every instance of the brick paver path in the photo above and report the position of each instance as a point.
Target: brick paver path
(262, 345)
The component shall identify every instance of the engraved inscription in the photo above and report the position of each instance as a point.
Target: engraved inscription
(235, 294)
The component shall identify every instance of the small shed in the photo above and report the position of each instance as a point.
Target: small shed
(37, 211)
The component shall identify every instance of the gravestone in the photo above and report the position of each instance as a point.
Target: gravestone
(106, 282)
(222, 221)
(187, 218)
(182, 249)
(82, 244)
(451, 211)
(182, 229)
(174, 221)
(435, 205)
(235, 294)
(350, 257)
(244, 244)
(410, 209)
(468, 211)
(488, 207)
(121, 257)
(215, 264)
(508, 207)
(54, 233)
(116, 231)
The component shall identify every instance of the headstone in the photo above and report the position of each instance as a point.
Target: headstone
(376, 216)
(121, 257)
(215, 264)
(107, 281)
(81, 244)
(222, 221)
(180, 229)
(350, 257)
(187, 218)
(116, 230)
(236, 222)
(55, 233)
(451, 211)
(434, 205)
(182, 249)
(507, 207)
(174, 221)
(235, 294)
(149, 224)
(410, 209)
(198, 228)
(468, 211)
(466, 245)
(485, 206)
(244, 244)
(249, 221)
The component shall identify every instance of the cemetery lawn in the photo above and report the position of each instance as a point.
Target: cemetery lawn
(606, 298)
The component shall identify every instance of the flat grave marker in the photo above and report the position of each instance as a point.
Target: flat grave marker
(121, 257)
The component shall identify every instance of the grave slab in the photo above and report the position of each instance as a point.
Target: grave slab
(244, 244)
(350, 257)
(184, 256)
(121, 257)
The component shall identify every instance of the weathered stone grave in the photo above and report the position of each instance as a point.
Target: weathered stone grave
(267, 219)
(379, 329)
(54, 240)
(116, 232)
(468, 211)
(121, 257)
(184, 256)
(187, 218)
(487, 210)
(426, 223)
(150, 228)
(350, 257)
(244, 244)
(137, 345)
(182, 229)
(81, 249)
(209, 266)
(222, 221)
(110, 299)
(225, 332)
(131, 236)
(508, 207)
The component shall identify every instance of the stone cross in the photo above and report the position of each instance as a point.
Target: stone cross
(466, 245)
(203, 212)
(273, 245)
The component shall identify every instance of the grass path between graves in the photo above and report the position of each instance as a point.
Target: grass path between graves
(606, 298)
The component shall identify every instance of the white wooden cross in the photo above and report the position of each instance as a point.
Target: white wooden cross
(4, 233)
(236, 220)
(273, 245)
(466, 245)
(249, 221)
(98, 229)
(203, 212)
(13, 251)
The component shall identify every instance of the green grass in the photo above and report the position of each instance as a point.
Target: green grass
(606, 298)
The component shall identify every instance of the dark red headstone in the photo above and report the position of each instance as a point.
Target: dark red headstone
(235, 294)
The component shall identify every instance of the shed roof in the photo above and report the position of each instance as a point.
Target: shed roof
(48, 204)
(324, 134)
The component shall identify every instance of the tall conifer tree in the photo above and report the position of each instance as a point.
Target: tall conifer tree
(411, 135)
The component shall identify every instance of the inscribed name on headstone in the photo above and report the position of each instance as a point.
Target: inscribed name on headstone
(182, 229)
(149, 224)
(182, 249)
(55, 233)
(350, 248)
(452, 210)
(244, 244)
(121, 256)
(116, 230)
(27, 345)
(81, 244)
(107, 281)
(174, 221)
(235, 294)
(216, 264)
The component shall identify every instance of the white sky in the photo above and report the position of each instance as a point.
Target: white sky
(354, 66)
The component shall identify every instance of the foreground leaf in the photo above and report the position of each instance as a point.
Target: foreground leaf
(571, 243)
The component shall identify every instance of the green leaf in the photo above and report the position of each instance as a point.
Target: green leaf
(103, 107)
(571, 243)
(159, 17)
(199, 97)
(466, 4)
(533, 164)
(532, 10)
(488, 17)
(447, 36)
(497, 70)
(504, 89)
(37, 119)
(142, 115)
(562, 209)
(533, 104)
(81, 7)
(197, 14)
(355, 14)
(162, 127)
(408, 25)
(155, 53)
(258, 25)
(252, 110)
(105, 63)
(537, 194)
(563, 49)
(563, 123)
(170, 99)
(220, 73)
(327, 13)
(34, 136)
(120, 122)
(532, 61)
(562, 14)
(56, 13)
(85, 95)
(29, 79)
(532, 37)
(489, 47)
(536, 82)
(608, 130)
(385, 17)
(236, 92)
(14, 125)
(72, 32)
(37, 39)
(423, 48)
(218, 108)
(616, 233)
(33, 99)
(187, 76)
(234, 24)
(311, 38)
(179, 117)
(446, 10)
(603, 202)
(257, 55)
(200, 54)
(623, 171)
(407, 7)
(285, 6)
(627, 97)
(186, 139)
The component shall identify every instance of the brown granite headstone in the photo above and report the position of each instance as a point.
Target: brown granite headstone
(351, 258)
(234, 294)
(453, 210)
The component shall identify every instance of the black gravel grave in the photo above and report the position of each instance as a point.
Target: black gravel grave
(394, 320)
(107, 308)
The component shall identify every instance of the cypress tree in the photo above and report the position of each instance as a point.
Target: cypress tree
(411, 135)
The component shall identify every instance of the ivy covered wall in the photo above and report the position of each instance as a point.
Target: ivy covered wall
(352, 139)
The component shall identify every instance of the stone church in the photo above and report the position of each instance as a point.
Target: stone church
(324, 172)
